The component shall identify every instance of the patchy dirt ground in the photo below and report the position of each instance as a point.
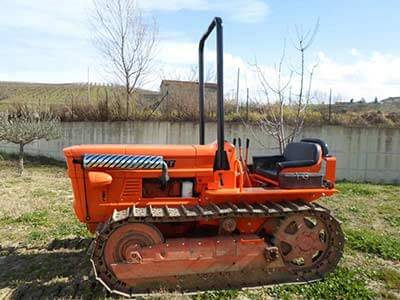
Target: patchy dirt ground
(43, 248)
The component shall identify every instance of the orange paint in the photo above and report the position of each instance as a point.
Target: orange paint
(98, 191)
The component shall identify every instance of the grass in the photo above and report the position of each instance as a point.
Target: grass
(43, 246)
(383, 245)
(390, 276)
(344, 283)
(42, 93)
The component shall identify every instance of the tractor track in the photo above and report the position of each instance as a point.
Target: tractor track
(212, 281)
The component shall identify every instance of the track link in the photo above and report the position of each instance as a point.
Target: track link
(211, 281)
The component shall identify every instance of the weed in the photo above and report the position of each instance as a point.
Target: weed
(383, 245)
(73, 228)
(342, 284)
(224, 294)
(36, 235)
(40, 192)
(390, 276)
(393, 221)
(34, 219)
(357, 189)
(354, 209)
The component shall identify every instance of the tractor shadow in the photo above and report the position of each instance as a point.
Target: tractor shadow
(60, 270)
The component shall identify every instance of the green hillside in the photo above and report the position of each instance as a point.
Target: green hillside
(62, 93)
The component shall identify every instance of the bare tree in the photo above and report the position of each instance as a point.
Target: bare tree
(193, 73)
(190, 74)
(126, 40)
(24, 125)
(283, 111)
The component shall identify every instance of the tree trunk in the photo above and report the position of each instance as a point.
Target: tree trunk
(128, 97)
(21, 159)
(127, 106)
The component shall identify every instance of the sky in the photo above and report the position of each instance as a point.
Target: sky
(356, 48)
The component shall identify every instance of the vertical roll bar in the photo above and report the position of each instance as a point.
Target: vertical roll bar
(221, 160)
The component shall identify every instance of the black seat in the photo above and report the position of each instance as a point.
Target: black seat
(270, 172)
(324, 146)
(296, 155)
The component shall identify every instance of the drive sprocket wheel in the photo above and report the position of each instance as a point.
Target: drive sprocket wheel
(310, 243)
(122, 244)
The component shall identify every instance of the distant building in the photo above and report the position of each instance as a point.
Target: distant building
(147, 96)
(183, 96)
(391, 100)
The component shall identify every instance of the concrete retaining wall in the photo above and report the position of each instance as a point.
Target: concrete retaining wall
(363, 154)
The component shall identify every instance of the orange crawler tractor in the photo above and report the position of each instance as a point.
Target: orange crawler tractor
(199, 217)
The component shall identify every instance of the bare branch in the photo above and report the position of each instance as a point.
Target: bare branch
(274, 110)
(126, 41)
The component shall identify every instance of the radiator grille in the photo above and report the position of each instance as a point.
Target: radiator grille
(132, 189)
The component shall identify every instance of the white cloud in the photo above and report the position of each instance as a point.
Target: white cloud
(243, 11)
(355, 52)
(63, 18)
(368, 76)
(250, 11)
(175, 59)
(174, 5)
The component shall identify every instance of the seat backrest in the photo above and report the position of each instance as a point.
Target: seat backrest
(301, 151)
(321, 143)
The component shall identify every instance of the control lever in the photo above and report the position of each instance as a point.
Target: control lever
(247, 151)
(164, 176)
(240, 149)
(247, 179)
